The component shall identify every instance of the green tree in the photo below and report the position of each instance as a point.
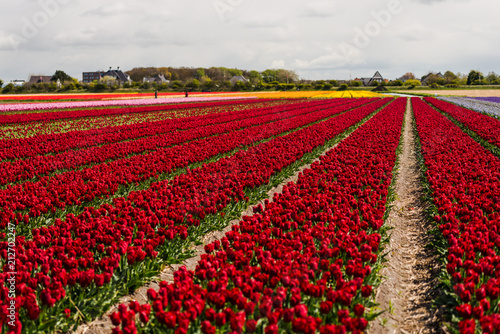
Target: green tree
(254, 77)
(61, 76)
(70, 86)
(269, 76)
(1, 83)
(177, 85)
(396, 83)
(343, 87)
(200, 73)
(413, 83)
(334, 83)
(286, 76)
(193, 85)
(8, 88)
(449, 76)
(474, 76)
(492, 78)
(234, 72)
(355, 83)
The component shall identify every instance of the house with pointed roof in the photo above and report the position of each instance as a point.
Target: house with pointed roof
(34, 79)
(238, 78)
(377, 77)
(158, 79)
(117, 74)
(37, 79)
(430, 75)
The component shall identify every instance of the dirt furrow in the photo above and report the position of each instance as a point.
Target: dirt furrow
(406, 292)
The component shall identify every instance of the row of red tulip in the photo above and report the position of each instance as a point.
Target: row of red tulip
(52, 143)
(485, 126)
(302, 264)
(55, 192)
(465, 182)
(48, 130)
(55, 115)
(123, 141)
(81, 254)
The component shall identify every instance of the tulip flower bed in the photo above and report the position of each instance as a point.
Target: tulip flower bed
(486, 127)
(464, 180)
(304, 263)
(75, 268)
(120, 143)
(79, 113)
(48, 97)
(489, 99)
(54, 143)
(487, 107)
(23, 130)
(109, 103)
(75, 187)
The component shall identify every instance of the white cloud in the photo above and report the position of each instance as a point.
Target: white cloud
(278, 64)
(305, 36)
(319, 9)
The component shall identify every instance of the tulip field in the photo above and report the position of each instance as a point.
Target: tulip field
(98, 197)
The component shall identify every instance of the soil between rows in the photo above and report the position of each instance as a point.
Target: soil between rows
(407, 290)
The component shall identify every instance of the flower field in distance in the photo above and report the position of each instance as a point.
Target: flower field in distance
(96, 200)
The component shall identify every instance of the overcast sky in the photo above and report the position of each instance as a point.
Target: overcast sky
(319, 39)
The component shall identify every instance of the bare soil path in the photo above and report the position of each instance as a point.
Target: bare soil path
(406, 292)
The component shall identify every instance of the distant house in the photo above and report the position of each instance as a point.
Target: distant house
(117, 74)
(158, 79)
(238, 78)
(377, 77)
(426, 78)
(17, 82)
(406, 77)
(37, 79)
(34, 79)
(88, 77)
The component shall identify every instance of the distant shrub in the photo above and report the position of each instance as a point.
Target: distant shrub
(343, 87)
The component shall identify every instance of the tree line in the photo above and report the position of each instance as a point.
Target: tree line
(218, 79)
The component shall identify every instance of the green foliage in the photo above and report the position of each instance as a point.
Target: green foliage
(492, 78)
(343, 87)
(450, 77)
(177, 85)
(474, 77)
(254, 77)
(355, 83)
(200, 73)
(61, 76)
(194, 84)
(327, 86)
(8, 88)
(270, 76)
(1, 83)
(396, 83)
(334, 83)
(412, 83)
(138, 73)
